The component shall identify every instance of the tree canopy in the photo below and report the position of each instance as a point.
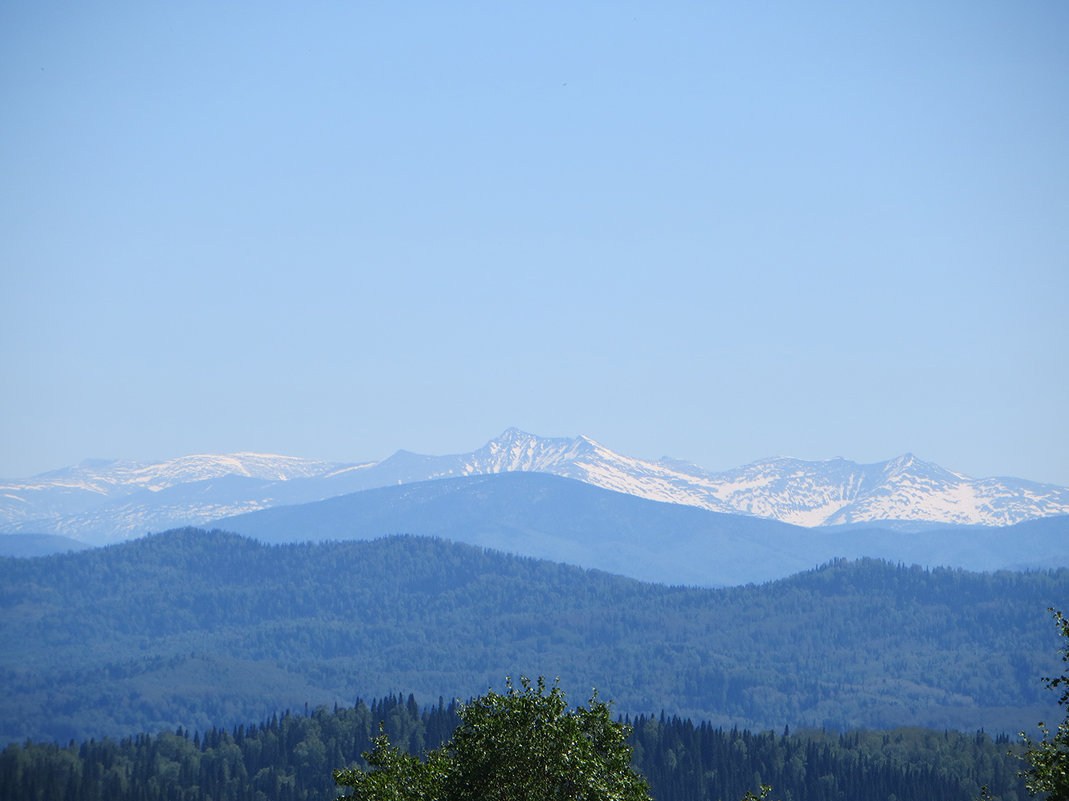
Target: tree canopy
(1048, 757)
(523, 744)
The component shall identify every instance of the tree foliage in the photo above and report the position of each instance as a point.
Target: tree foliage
(1049, 757)
(520, 745)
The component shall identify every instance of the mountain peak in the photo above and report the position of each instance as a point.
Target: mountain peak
(909, 465)
(513, 433)
(905, 460)
(120, 499)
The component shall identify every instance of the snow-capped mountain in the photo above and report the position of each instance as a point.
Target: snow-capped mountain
(805, 493)
(118, 477)
(108, 501)
(124, 495)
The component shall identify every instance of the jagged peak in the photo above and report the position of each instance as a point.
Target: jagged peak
(512, 432)
(910, 465)
(905, 460)
(512, 436)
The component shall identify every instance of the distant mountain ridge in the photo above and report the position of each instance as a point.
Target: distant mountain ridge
(563, 520)
(110, 501)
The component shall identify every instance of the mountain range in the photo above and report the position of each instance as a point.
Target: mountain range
(564, 520)
(98, 502)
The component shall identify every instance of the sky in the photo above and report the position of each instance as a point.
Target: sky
(712, 231)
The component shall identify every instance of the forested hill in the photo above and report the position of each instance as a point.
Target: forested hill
(197, 629)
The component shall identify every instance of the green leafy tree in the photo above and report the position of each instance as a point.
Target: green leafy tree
(523, 745)
(396, 775)
(1049, 757)
(765, 791)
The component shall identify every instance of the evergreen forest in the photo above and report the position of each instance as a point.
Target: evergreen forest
(193, 630)
(291, 758)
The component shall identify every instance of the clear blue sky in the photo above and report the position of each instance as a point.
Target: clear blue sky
(717, 231)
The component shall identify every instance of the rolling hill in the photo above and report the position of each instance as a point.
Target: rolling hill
(204, 629)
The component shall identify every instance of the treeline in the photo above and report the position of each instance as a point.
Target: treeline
(688, 762)
(290, 758)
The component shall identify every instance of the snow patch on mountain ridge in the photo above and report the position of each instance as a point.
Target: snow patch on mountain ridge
(128, 476)
(106, 501)
(806, 493)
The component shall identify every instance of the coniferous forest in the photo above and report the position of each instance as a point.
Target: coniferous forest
(291, 758)
(822, 681)
(200, 629)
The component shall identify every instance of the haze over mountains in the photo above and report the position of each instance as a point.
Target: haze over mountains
(564, 520)
(200, 629)
(99, 502)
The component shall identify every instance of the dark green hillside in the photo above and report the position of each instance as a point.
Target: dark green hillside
(196, 629)
(290, 758)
